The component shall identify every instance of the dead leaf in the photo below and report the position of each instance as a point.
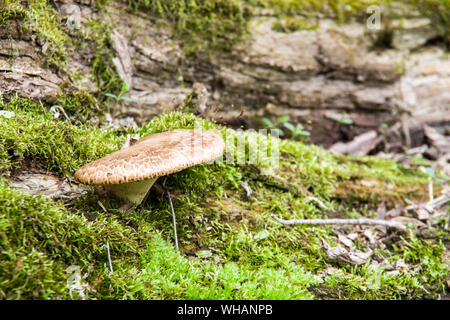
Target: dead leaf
(353, 236)
(339, 253)
(48, 185)
(421, 214)
(410, 221)
(345, 240)
(369, 234)
(394, 212)
(359, 146)
(437, 140)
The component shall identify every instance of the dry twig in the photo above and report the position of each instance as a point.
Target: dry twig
(173, 213)
(316, 200)
(360, 221)
(56, 113)
(109, 258)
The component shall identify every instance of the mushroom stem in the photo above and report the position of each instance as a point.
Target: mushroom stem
(134, 192)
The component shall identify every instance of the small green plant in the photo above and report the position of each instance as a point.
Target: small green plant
(439, 177)
(342, 119)
(418, 160)
(121, 97)
(274, 125)
(384, 126)
(429, 172)
(297, 131)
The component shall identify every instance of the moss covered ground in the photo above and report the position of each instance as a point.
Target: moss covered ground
(230, 247)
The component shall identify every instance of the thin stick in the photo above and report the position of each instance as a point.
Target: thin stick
(320, 203)
(62, 110)
(446, 224)
(365, 221)
(436, 203)
(174, 219)
(173, 213)
(109, 259)
(102, 206)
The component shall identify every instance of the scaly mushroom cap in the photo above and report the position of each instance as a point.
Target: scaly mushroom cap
(152, 156)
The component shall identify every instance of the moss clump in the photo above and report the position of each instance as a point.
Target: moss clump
(103, 69)
(217, 25)
(31, 134)
(202, 25)
(172, 276)
(288, 11)
(39, 240)
(79, 106)
(39, 17)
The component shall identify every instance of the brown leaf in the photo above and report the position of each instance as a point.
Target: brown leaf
(359, 146)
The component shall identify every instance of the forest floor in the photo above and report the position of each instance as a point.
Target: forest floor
(231, 246)
(60, 239)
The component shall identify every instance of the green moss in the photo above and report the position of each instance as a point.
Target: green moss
(217, 25)
(202, 25)
(341, 10)
(172, 276)
(31, 134)
(246, 246)
(103, 69)
(79, 106)
(39, 240)
(39, 17)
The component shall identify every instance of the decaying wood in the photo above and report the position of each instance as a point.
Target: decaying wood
(305, 74)
(359, 146)
(122, 61)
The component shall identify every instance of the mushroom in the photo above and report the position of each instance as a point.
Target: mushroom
(130, 172)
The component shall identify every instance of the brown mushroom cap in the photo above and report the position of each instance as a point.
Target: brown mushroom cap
(152, 156)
